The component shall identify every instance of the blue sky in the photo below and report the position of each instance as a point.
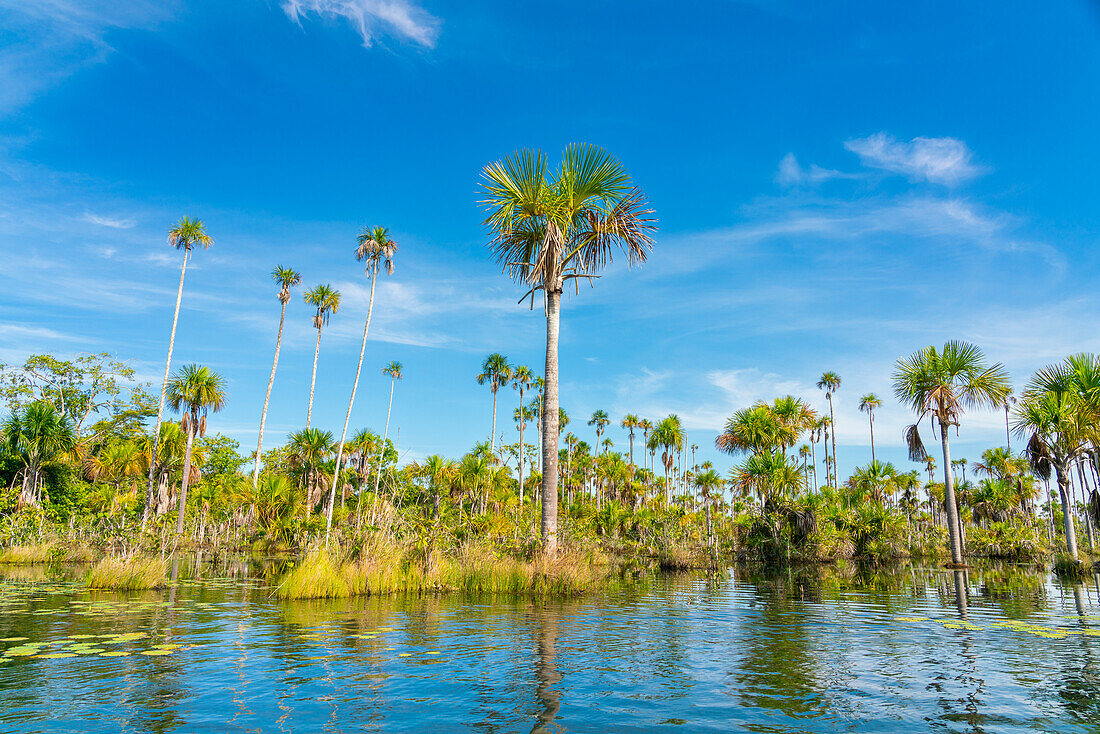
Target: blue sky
(837, 186)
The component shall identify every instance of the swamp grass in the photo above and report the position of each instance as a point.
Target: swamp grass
(323, 574)
(130, 573)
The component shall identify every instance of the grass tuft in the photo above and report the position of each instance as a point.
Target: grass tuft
(387, 570)
(25, 554)
(129, 573)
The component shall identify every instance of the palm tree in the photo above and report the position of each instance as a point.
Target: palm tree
(326, 300)
(186, 234)
(941, 385)
(309, 448)
(646, 425)
(830, 383)
(286, 279)
(1058, 412)
(393, 369)
(707, 482)
(630, 422)
(195, 391)
(39, 436)
(549, 228)
(1009, 402)
(867, 404)
(668, 435)
(522, 380)
(374, 247)
(496, 371)
(600, 420)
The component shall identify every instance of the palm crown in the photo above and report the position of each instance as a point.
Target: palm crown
(285, 278)
(187, 233)
(326, 300)
(551, 227)
(376, 248)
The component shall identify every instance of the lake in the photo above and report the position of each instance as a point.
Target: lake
(997, 649)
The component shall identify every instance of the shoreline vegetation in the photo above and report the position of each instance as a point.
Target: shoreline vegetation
(94, 468)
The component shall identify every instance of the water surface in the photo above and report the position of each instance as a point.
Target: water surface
(996, 649)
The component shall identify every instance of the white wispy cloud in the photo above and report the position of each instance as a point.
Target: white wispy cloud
(373, 18)
(112, 222)
(937, 160)
(791, 173)
(47, 41)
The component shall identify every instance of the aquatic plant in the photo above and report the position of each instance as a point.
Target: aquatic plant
(129, 573)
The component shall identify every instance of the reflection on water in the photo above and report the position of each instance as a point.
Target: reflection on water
(813, 650)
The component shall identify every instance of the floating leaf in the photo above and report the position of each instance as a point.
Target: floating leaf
(115, 654)
(13, 639)
(55, 655)
(157, 652)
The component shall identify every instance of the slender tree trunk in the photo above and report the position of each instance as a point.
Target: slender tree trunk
(267, 399)
(351, 402)
(1067, 511)
(385, 437)
(832, 421)
(825, 446)
(949, 497)
(813, 455)
(493, 434)
(550, 424)
(1085, 500)
(522, 422)
(186, 476)
(313, 380)
(871, 418)
(163, 389)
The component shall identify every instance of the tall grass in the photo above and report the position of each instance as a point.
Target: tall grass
(129, 573)
(39, 553)
(388, 570)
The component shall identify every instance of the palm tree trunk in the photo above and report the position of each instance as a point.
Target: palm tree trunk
(313, 380)
(522, 422)
(832, 423)
(550, 424)
(493, 433)
(813, 455)
(949, 497)
(186, 476)
(163, 389)
(385, 437)
(351, 402)
(1085, 500)
(267, 399)
(1067, 513)
(871, 419)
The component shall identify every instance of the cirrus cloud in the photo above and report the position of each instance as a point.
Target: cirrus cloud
(372, 18)
(938, 160)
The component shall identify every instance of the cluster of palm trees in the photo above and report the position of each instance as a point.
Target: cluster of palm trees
(196, 390)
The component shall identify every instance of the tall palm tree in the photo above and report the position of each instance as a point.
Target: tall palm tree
(377, 250)
(1058, 413)
(600, 420)
(185, 235)
(38, 436)
(668, 435)
(646, 426)
(830, 383)
(393, 369)
(286, 279)
(630, 422)
(867, 404)
(326, 300)
(496, 371)
(522, 380)
(195, 391)
(549, 228)
(1009, 402)
(941, 384)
